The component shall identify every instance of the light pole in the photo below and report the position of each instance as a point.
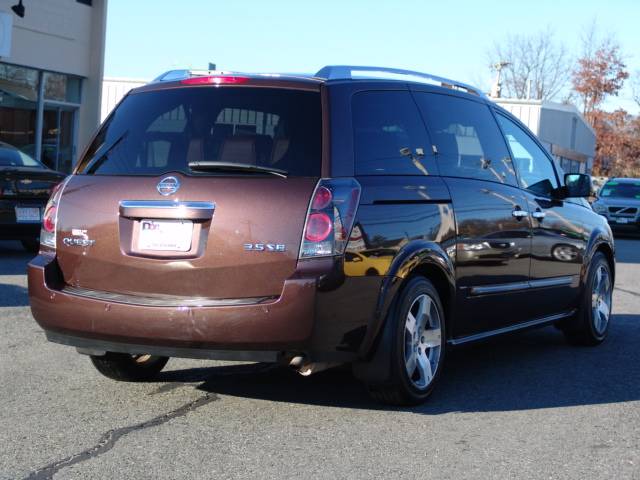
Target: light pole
(496, 90)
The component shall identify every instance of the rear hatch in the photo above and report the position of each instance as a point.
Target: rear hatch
(198, 191)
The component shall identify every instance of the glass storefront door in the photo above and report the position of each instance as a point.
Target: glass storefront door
(21, 91)
(57, 138)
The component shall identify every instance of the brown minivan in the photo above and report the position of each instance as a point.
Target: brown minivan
(359, 215)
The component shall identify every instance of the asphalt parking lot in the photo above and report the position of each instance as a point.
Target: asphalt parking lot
(527, 406)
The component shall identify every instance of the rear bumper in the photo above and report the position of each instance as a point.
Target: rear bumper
(282, 323)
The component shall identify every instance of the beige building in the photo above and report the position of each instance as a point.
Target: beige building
(51, 69)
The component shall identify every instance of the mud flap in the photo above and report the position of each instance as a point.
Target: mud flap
(377, 370)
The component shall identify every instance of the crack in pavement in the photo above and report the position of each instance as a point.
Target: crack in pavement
(630, 292)
(108, 440)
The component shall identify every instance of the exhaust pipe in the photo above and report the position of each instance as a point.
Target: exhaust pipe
(306, 368)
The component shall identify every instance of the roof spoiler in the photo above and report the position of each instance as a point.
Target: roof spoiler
(175, 75)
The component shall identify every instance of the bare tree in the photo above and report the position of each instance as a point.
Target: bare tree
(635, 87)
(533, 66)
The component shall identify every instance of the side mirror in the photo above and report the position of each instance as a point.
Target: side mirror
(577, 185)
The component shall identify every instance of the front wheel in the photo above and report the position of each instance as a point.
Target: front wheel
(590, 325)
(129, 368)
(417, 349)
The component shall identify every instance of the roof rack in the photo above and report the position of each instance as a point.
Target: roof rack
(349, 72)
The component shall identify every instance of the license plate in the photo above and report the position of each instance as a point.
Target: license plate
(28, 215)
(165, 235)
(621, 220)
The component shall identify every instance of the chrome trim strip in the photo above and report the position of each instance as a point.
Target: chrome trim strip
(516, 286)
(167, 209)
(552, 282)
(163, 300)
(511, 328)
(500, 288)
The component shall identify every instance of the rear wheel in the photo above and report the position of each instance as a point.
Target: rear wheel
(590, 325)
(417, 350)
(31, 245)
(129, 368)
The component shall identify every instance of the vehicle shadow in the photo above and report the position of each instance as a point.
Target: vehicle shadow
(13, 258)
(627, 250)
(13, 295)
(531, 370)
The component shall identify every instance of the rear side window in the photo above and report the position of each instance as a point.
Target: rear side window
(389, 135)
(161, 131)
(466, 136)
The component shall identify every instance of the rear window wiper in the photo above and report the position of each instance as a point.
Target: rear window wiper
(207, 166)
(102, 154)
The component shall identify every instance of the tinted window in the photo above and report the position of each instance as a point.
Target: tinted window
(535, 169)
(622, 190)
(12, 157)
(155, 132)
(389, 135)
(467, 138)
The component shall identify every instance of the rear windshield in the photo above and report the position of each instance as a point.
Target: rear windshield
(11, 157)
(624, 190)
(155, 132)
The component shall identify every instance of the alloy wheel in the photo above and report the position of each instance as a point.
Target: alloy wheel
(422, 341)
(601, 299)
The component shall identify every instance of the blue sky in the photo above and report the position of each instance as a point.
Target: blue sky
(145, 37)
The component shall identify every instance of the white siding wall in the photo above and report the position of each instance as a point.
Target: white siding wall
(113, 90)
(528, 113)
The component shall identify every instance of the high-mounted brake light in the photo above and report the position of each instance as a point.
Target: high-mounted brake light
(330, 217)
(50, 217)
(214, 80)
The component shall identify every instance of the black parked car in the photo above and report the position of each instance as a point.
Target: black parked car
(25, 186)
(314, 220)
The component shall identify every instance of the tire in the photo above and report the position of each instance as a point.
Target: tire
(129, 368)
(31, 245)
(403, 388)
(590, 325)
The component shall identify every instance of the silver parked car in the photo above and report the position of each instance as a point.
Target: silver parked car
(619, 201)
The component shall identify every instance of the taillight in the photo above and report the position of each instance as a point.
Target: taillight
(319, 227)
(330, 217)
(214, 80)
(50, 217)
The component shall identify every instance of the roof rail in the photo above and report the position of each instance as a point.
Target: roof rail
(346, 72)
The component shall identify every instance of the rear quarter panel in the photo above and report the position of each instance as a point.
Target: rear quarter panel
(398, 218)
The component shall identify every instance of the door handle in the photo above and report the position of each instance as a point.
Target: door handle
(519, 213)
(539, 215)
